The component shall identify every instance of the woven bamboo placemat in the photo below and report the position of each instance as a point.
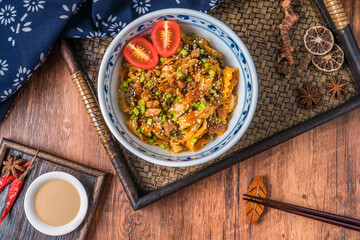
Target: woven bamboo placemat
(256, 23)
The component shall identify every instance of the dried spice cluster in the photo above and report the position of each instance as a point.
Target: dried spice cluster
(322, 52)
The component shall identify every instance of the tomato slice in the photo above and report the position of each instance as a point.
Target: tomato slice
(166, 37)
(140, 53)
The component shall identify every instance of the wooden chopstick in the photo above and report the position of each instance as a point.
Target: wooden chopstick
(337, 220)
(310, 211)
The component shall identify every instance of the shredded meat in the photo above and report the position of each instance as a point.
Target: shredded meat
(218, 129)
(168, 127)
(222, 113)
(195, 53)
(191, 85)
(181, 84)
(152, 104)
(150, 112)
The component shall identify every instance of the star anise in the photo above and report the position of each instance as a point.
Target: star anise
(309, 95)
(336, 87)
(12, 165)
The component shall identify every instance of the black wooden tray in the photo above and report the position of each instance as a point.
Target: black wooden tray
(16, 225)
(244, 17)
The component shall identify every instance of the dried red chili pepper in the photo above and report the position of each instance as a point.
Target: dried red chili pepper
(14, 191)
(4, 181)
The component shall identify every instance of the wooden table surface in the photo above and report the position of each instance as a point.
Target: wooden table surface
(319, 169)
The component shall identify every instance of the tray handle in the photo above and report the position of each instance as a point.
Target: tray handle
(92, 107)
(337, 14)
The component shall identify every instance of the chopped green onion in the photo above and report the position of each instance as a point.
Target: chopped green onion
(184, 132)
(164, 118)
(165, 108)
(212, 72)
(141, 130)
(179, 74)
(190, 110)
(189, 79)
(195, 104)
(175, 134)
(124, 89)
(212, 98)
(132, 117)
(149, 83)
(138, 130)
(202, 51)
(129, 80)
(125, 84)
(168, 95)
(157, 67)
(177, 99)
(157, 93)
(179, 49)
(136, 111)
(143, 109)
(183, 52)
(219, 120)
(149, 121)
(198, 120)
(172, 112)
(193, 35)
(208, 76)
(213, 91)
(155, 137)
(194, 140)
(142, 103)
(201, 106)
(207, 65)
(204, 60)
(217, 83)
(151, 142)
(162, 146)
(149, 134)
(162, 59)
(142, 78)
(174, 119)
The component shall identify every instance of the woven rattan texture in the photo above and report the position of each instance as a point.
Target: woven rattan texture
(256, 23)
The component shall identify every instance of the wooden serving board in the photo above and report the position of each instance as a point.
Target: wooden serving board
(16, 225)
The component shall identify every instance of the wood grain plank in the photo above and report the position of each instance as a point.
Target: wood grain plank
(318, 169)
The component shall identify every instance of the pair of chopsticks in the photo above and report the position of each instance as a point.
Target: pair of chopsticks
(337, 220)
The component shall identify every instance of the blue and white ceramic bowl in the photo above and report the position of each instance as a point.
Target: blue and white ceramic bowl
(221, 38)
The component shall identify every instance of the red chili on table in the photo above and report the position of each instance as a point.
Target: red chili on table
(4, 181)
(14, 191)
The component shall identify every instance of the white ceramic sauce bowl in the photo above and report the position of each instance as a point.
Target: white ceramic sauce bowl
(221, 38)
(30, 211)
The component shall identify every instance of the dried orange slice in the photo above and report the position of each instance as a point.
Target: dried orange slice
(330, 62)
(318, 40)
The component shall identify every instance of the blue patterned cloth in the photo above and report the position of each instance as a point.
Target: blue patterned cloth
(28, 29)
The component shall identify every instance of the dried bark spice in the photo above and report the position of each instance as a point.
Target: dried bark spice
(291, 17)
(336, 87)
(253, 211)
(309, 95)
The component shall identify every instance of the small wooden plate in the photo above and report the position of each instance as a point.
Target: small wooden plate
(16, 225)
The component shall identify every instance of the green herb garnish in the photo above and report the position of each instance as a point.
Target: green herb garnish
(136, 111)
